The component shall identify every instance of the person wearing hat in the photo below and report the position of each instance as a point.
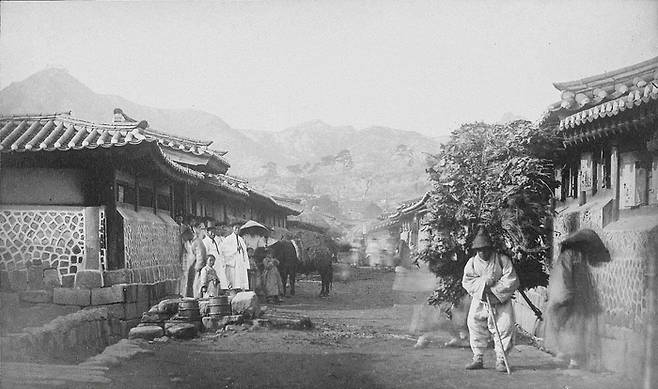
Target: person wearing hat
(489, 274)
(213, 241)
(234, 251)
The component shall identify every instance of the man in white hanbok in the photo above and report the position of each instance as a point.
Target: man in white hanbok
(489, 274)
(234, 251)
(213, 241)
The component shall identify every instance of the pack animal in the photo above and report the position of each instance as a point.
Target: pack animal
(284, 251)
(322, 259)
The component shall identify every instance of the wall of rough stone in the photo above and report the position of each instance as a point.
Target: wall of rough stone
(622, 283)
(36, 239)
(151, 246)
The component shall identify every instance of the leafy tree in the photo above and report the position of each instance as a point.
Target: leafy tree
(496, 176)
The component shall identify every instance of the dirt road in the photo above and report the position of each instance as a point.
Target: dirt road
(360, 341)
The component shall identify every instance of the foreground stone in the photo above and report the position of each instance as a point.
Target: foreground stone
(115, 354)
(146, 332)
(246, 304)
(181, 330)
(170, 306)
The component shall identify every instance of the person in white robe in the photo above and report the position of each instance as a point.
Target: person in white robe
(213, 241)
(234, 251)
(489, 274)
(199, 252)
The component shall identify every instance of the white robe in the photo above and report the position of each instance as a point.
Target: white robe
(213, 248)
(234, 252)
(480, 325)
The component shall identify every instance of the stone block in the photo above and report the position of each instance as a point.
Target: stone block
(114, 277)
(161, 289)
(68, 281)
(142, 306)
(113, 294)
(35, 277)
(181, 330)
(4, 281)
(246, 303)
(144, 292)
(51, 278)
(89, 279)
(155, 317)
(169, 306)
(36, 296)
(70, 296)
(129, 292)
(18, 280)
(146, 332)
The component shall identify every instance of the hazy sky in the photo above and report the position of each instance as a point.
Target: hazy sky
(417, 65)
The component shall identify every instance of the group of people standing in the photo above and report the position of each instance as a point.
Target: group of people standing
(213, 259)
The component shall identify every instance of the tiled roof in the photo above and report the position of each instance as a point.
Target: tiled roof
(596, 91)
(62, 132)
(410, 206)
(613, 107)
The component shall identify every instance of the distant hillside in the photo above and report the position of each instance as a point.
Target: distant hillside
(377, 165)
(54, 90)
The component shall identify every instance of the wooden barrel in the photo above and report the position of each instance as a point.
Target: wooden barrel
(192, 313)
(219, 306)
(188, 303)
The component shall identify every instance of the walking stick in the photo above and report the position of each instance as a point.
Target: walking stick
(500, 339)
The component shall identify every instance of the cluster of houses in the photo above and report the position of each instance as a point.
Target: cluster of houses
(609, 183)
(90, 205)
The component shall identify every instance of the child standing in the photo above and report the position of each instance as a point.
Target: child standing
(272, 283)
(208, 280)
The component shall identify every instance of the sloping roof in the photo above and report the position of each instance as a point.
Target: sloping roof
(414, 205)
(598, 90)
(62, 132)
(612, 108)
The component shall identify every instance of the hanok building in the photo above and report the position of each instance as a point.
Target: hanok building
(95, 204)
(610, 184)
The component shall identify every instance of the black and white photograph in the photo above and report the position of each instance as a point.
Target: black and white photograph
(331, 194)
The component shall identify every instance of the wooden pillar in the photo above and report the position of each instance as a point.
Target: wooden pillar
(614, 180)
(155, 195)
(136, 193)
(172, 211)
(188, 200)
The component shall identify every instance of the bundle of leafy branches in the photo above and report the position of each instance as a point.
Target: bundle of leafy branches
(499, 177)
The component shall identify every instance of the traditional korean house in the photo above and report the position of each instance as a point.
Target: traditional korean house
(610, 184)
(410, 217)
(89, 205)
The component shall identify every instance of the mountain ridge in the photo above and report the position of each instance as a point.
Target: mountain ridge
(339, 160)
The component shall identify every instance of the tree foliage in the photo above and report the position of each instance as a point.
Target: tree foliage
(496, 176)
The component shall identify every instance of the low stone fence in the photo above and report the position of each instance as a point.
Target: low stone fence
(108, 314)
(77, 335)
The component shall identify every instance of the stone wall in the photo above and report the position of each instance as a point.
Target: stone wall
(622, 284)
(37, 239)
(151, 247)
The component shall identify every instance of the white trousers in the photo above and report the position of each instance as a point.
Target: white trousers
(481, 327)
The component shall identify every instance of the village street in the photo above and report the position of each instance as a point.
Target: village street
(360, 340)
